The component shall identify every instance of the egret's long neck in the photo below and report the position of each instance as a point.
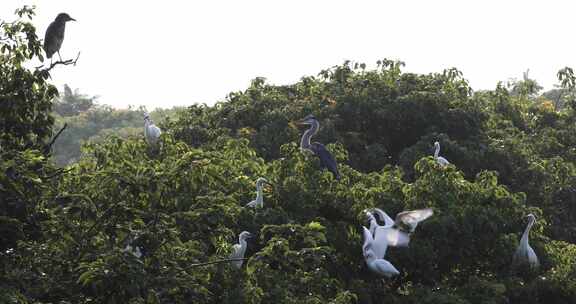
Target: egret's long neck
(524, 240)
(437, 151)
(305, 142)
(259, 195)
(373, 223)
(242, 243)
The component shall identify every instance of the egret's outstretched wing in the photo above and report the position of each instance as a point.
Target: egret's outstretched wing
(412, 218)
(388, 221)
(326, 159)
(395, 237)
(367, 240)
(380, 243)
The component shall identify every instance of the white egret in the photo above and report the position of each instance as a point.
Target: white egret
(316, 148)
(238, 250)
(392, 231)
(441, 160)
(524, 254)
(259, 201)
(151, 131)
(376, 262)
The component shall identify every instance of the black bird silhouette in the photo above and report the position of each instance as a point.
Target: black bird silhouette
(55, 35)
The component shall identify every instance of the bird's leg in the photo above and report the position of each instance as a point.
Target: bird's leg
(59, 55)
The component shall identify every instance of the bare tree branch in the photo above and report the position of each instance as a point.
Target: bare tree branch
(62, 62)
(49, 146)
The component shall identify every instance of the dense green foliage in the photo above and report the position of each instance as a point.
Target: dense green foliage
(63, 232)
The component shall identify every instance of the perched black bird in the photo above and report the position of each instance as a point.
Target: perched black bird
(55, 35)
(326, 159)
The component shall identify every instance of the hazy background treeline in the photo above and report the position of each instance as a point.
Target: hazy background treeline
(89, 121)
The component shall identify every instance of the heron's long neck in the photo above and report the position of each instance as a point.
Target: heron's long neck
(305, 142)
(437, 151)
(524, 240)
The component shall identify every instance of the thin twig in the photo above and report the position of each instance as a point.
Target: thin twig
(57, 173)
(215, 262)
(49, 147)
(63, 62)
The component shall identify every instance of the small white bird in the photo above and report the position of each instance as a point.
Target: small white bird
(238, 250)
(376, 262)
(441, 160)
(151, 131)
(134, 251)
(524, 254)
(259, 201)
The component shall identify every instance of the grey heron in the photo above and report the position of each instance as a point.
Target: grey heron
(151, 131)
(316, 148)
(524, 254)
(238, 250)
(259, 201)
(441, 160)
(375, 261)
(55, 35)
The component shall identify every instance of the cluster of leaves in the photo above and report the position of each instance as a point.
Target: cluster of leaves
(65, 233)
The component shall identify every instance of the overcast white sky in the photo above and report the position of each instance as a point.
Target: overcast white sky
(166, 53)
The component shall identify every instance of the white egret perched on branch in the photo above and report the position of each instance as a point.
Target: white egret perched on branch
(55, 35)
(259, 201)
(441, 160)
(374, 260)
(316, 148)
(151, 131)
(238, 250)
(524, 254)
